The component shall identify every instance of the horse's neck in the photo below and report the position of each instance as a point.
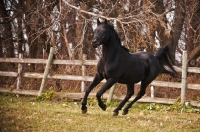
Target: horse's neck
(110, 51)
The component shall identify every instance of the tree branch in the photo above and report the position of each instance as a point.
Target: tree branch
(104, 17)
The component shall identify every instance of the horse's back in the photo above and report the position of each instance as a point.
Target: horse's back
(149, 60)
(137, 66)
(145, 56)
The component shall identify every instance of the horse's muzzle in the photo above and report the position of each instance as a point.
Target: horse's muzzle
(95, 44)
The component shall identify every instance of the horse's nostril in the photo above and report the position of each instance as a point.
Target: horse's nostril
(94, 41)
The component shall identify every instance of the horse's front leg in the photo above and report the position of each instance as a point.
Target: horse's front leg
(97, 79)
(107, 85)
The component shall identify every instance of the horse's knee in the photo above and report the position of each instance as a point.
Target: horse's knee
(98, 95)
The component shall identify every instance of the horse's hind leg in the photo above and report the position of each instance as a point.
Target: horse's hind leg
(106, 86)
(95, 82)
(130, 92)
(143, 87)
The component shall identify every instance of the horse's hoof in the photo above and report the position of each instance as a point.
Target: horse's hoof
(115, 113)
(84, 111)
(124, 112)
(104, 108)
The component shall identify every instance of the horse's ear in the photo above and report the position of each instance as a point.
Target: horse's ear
(98, 22)
(106, 21)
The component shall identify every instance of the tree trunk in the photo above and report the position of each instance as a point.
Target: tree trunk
(164, 37)
(65, 47)
(30, 26)
(7, 38)
(20, 38)
(195, 53)
(87, 34)
(177, 25)
(193, 57)
(2, 13)
(193, 28)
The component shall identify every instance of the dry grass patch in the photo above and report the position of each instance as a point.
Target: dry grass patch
(20, 113)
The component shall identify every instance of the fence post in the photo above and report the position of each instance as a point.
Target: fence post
(111, 92)
(19, 77)
(83, 73)
(46, 71)
(184, 76)
(152, 91)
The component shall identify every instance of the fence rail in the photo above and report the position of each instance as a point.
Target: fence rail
(85, 78)
(89, 78)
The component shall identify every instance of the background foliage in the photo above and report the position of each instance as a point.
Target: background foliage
(31, 27)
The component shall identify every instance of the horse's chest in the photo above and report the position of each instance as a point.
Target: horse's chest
(111, 70)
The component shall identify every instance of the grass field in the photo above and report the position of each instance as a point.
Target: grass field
(22, 113)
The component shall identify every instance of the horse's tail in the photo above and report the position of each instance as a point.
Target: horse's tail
(165, 59)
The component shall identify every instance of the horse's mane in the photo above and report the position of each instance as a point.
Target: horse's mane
(116, 35)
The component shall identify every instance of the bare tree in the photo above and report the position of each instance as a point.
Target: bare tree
(192, 31)
(141, 25)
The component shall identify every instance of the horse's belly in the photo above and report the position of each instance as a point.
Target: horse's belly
(130, 79)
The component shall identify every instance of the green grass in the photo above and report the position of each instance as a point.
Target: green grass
(21, 113)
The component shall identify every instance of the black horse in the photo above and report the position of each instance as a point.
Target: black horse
(117, 65)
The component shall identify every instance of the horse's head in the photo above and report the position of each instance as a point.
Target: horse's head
(101, 35)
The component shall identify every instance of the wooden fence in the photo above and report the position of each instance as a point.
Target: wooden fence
(19, 75)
